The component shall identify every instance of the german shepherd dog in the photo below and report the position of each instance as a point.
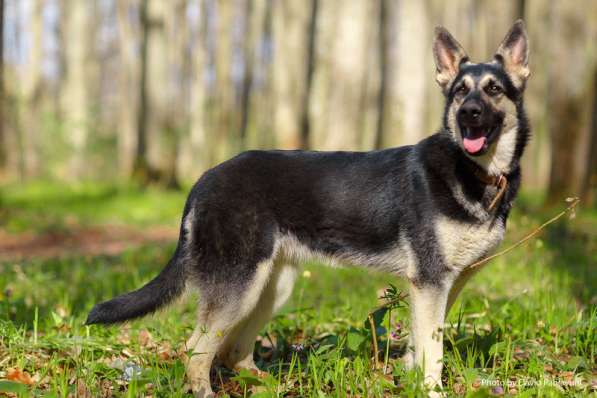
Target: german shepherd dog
(425, 212)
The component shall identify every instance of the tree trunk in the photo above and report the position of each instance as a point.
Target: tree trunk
(128, 80)
(174, 118)
(162, 99)
(347, 72)
(305, 115)
(409, 83)
(224, 95)
(383, 50)
(142, 172)
(199, 156)
(570, 99)
(291, 21)
(255, 11)
(589, 183)
(261, 134)
(75, 98)
(3, 143)
(248, 50)
(31, 89)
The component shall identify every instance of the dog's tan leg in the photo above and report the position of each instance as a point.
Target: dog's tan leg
(217, 317)
(237, 351)
(428, 306)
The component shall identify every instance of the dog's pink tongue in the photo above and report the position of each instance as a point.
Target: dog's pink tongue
(474, 145)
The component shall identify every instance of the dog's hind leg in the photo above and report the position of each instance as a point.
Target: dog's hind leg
(221, 310)
(237, 351)
(428, 307)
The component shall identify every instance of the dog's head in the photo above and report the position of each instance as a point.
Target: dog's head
(484, 100)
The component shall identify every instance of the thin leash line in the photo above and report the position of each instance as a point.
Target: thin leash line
(575, 202)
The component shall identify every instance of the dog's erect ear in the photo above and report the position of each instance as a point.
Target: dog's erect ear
(513, 54)
(448, 54)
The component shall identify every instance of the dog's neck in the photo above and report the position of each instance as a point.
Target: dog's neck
(500, 158)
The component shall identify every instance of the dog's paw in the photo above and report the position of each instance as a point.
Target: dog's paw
(437, 394)
(202, 391)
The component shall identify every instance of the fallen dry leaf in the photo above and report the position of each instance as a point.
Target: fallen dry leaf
(145, 339)
(459, 388)
(19, 376)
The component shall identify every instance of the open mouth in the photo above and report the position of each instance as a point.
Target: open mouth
(476, 139)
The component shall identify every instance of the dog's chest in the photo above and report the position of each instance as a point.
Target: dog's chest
(462, 244)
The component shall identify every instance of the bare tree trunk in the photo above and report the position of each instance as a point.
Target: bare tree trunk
(569, 99)
(160, 102)
(142, 172)
(3, 143)
(157, 80)
(290, 29)
(75, 98)
(262, 106)
(347, 71)
(224, 112)
(174, 118)
(11, 86)
(589, 184)
(128, 79)
(199, 143)
(410, 84)
(31, 86)
(255, 11)
(305, 117)
(248, 59)
(383, 51)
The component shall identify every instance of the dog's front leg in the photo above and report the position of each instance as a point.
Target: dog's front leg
(428, 307)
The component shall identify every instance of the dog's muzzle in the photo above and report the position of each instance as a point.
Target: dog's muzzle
(476, 126)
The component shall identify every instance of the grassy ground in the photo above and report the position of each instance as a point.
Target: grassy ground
(524, 326)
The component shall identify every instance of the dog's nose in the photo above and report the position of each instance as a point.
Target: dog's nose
(470, 111)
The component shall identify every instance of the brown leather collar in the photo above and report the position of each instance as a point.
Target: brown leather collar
(500, 182)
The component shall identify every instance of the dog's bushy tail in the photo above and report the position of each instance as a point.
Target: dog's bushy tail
(161, 290)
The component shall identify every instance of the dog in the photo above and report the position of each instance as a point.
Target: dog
(425, 212)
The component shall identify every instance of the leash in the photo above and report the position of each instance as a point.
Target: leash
(574, 201)
(500, 182)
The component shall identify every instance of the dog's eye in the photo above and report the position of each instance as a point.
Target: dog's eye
(494, 89)
(463, 89)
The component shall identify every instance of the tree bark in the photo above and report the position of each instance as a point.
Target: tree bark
(305, 116)
(224, 96)
(75, 94)
(31, 89)
(589, 183)
(142, 172)
(410, 84)
(569, 99)
(3, 143)
(290, 30)
(383, 74)
(128, 80)
(347, 72)
(199, 156)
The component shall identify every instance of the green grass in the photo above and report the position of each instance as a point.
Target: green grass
(45, 206)
(527, 319)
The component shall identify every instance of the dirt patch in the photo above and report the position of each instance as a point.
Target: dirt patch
(107, 240)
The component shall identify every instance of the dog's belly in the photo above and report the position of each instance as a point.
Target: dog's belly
(462, 244)
(399, 259)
